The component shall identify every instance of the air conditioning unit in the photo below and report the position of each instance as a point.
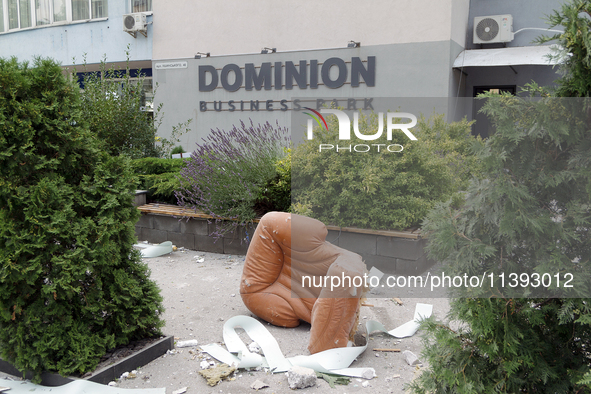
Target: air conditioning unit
(493, 29)
(132, 23)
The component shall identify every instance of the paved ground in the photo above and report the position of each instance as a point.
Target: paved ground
(201, 292)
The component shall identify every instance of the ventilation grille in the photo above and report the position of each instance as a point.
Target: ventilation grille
(487, 29)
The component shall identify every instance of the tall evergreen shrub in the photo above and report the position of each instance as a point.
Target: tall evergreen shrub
(531, 214)
(71, 284)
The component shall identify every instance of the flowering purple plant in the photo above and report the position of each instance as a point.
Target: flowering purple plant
(226, 173)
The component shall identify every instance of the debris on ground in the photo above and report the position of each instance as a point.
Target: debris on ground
(258, 385)
(189, 343)
(301, 377)
(216, 374)
(410, 358)
(255, 348)
(398, 301)
(334, 379)
(128, 375)
(180, 391)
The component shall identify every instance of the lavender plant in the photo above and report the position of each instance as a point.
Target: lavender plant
(227, 173)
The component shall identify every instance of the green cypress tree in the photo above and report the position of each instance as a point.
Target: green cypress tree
(71, 284)
(530, 214)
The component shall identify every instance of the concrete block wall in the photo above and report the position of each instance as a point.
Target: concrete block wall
(193, 233)
(391, 255)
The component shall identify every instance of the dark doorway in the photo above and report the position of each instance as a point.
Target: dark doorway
(483, 126)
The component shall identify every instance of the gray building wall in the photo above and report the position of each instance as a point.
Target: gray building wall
(401, 70)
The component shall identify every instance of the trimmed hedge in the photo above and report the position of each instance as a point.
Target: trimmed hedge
(382, 190)
(71, 284)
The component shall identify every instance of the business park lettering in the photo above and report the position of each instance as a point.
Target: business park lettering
(332, 73)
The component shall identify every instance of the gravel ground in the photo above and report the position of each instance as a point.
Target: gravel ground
(201, 292)
(200, 296)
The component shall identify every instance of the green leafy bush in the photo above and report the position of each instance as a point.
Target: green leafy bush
(276, 194)
(530, 215)
(177, 149)
(71, 284)
(382, 190)
(227, 173)
(159, 176)
(114, 107)
(531, 212)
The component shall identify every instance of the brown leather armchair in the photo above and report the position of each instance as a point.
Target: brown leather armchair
(291, 274)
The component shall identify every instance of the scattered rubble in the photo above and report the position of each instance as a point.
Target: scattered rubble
(215, 375)
(258, 385)
(301, 377)
(189, 343)
(255, 348)
(410, 358)
(180, 391)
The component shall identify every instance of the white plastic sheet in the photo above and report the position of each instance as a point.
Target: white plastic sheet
(75, 387)
(157, 250)
(335, 361)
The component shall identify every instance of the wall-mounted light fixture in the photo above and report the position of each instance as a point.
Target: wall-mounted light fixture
(353, 44)
(199, 54)
(267, 50)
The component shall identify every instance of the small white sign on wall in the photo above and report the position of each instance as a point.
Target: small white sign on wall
(170, 65)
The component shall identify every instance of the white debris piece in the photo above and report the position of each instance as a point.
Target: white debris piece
(369, 373)
(255, 348)
(301, 377)
(112, 383)
(204, 364)
(365, 384)
(258, 384)
(180, 391)
(410, 358)
(189, 343)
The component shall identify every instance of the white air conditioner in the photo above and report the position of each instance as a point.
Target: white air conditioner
(132, 23)
(493, 29)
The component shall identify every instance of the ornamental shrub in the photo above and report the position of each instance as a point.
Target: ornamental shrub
(71, 284)
(116, 110)
(530, 215)
(382, 190)
(227, 173)
(276, 194)
(159, 176)
(114, 107)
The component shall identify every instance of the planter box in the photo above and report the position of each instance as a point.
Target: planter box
(106, 374)
(189, 229)
(392, 252)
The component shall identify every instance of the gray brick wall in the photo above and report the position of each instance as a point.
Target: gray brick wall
(391, 255)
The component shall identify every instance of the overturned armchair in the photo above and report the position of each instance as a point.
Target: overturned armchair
(285, 280)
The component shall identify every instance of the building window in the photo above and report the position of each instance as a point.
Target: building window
(59, 11)
(22, 14)
(141, 5)
(19, 14)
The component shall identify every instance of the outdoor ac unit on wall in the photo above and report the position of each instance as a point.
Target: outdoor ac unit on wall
(132, 23)
(493, 29)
